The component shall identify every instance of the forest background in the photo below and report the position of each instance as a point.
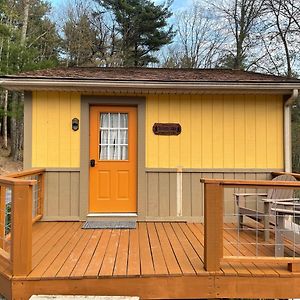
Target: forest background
(252, 35)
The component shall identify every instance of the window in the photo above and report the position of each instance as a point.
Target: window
(113, 136)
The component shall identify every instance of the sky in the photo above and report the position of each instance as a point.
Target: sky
(177, 4)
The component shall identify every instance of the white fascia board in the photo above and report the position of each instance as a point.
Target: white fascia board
(15, 83)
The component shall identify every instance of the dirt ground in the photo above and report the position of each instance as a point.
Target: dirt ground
(6, 163)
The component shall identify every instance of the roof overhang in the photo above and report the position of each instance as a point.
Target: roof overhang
(145, 87)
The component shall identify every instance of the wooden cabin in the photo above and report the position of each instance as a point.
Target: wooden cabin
(131, 144)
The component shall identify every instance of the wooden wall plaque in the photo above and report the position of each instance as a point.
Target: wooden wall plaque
(166, 128)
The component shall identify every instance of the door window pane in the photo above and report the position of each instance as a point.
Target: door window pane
(113, 136)
(124, 120)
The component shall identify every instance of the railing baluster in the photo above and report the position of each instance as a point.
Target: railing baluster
(41, 192)
(21, 250)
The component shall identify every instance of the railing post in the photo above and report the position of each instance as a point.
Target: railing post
(213, 226)
(2, 216)
(21, 231)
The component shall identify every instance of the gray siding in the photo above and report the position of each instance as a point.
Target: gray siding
(161, 199)
(62, 194)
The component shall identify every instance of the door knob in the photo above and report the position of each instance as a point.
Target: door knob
(92, 163)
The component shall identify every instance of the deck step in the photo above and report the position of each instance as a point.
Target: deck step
(112, 217)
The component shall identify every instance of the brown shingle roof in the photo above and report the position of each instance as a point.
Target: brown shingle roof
(151, 74)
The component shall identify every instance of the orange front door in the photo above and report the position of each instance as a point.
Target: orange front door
(113, 159)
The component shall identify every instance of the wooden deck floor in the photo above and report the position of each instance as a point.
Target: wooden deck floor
(63, 250)
(150, 256)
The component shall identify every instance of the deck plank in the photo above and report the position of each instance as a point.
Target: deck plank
(160, 266)
(189, 250)
(67, 268)
(87, 254)
(198, 231)
(110, 255)
(234, 250)
(248, 249)
(45, 237)
(55, 237)
(168, 253)
(134, 268)
(195, 236)
(147, 267)
(194, 241)
(122, 254)
(39, 230)
(95, 264)
(63, 255)
(182, 259)
(47, 260)
(267, 269)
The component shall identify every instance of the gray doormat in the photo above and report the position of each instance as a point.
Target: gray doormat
(109, 225)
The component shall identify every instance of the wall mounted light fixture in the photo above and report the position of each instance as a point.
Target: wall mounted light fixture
(75, 124)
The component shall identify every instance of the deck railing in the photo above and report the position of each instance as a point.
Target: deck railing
(214, 224)
(37, 174)
(21, 204)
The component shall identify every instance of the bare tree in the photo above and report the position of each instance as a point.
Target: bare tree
(291, 9)
(199, 39)
(283, 25)
(79, 36)
(282, 21)
(89, 35)
(241, 18)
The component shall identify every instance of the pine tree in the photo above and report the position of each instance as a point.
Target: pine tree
(142, 28)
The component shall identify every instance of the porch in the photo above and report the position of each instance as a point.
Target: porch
(157, 260)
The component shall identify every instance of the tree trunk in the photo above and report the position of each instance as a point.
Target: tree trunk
(20, 124)
(14, 128)
(25, 23)
(5, 120)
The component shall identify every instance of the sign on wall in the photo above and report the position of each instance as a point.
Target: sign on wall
(166, 128)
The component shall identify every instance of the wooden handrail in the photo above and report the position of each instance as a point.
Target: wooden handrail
(7, 181)
(252, 183)
(24, 173)
(41, 179)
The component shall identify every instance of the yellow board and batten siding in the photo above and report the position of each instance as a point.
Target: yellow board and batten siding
(54, 143)
(218, 131)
